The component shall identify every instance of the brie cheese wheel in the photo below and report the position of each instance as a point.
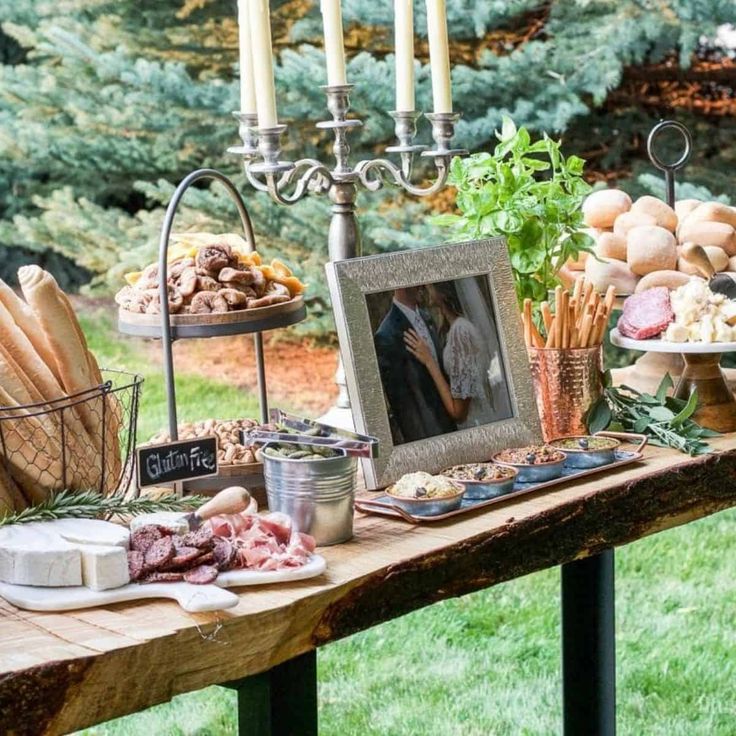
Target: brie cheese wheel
(91, 531)
(173, 520)
(64, 552)
(104, 567)
(31, 555)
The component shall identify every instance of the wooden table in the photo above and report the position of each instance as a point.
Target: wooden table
(60, 672)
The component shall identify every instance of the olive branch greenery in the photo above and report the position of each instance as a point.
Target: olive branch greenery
(92, 505)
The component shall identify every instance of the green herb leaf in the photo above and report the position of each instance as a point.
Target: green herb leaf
(665, 385)
(599, 416)
(687, 411)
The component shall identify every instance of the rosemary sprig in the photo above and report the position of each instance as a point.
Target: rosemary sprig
(91, 505)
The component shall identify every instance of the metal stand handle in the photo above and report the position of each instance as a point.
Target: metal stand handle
(669, 169)
(163, 250)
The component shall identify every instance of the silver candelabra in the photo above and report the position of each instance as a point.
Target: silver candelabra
(287, 182)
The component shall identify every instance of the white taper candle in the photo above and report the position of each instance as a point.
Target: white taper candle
(334, 44)
(439, 55)
(404, 42)
(247, 87)
(260, 33)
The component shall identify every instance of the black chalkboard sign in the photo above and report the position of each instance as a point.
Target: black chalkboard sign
(175, 461)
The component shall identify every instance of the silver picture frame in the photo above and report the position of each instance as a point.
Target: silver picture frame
(351, 281)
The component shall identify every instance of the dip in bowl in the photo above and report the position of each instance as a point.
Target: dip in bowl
(483, 480)
(586, 451)
(534, 463)
(422, 494)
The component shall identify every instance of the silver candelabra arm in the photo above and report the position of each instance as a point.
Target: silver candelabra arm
(374, 173)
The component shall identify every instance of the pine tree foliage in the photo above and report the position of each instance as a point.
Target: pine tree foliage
(105, 106)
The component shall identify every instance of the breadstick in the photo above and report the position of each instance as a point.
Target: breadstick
(577, 291)
(585, 330)
(559, 316)
(564, 307)
(552, 334)
(599, 327)
(587, 293)
(610, 297)
(546, 316)
(526, 317)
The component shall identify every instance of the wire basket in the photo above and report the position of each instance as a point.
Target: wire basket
(84, 441)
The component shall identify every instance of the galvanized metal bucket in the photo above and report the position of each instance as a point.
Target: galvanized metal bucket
(318, 495)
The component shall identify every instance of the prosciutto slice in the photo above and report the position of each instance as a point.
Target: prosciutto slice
(266, 542)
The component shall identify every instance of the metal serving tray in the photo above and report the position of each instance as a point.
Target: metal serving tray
(383, 505)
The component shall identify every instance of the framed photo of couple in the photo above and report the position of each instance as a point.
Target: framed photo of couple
(434, 356)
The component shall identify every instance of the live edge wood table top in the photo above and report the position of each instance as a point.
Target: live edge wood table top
(60, 672)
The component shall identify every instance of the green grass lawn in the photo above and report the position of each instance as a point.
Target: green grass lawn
(488, 663)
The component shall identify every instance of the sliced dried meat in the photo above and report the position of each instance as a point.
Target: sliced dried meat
(646, 314)
(162, 577)
(184, 557)
(141, 539)
(224, 553)
(160, 553)
(136, 564)
(201, 575)
(202, 538)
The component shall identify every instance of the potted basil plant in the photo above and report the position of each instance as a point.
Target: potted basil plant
(529, 193)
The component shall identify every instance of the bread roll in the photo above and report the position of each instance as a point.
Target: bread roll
(651, 248)
(713, 212)
(23, 316)
(718, 234)
(732, 263)
(601, 208)
(607, 271)
(579, 264)
(717, 257)
(671, 279)
(683, 207)
(610, 245)
(629, 220)
(661, 211)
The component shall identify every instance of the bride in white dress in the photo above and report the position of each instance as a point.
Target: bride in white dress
(462, 381)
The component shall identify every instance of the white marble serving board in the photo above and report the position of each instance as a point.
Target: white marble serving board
(192, 598)
(657, 345)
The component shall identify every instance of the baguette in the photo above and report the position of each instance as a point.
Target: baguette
(23, 316)
(77, 367)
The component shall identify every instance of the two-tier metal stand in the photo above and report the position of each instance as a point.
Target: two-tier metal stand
(170, 327)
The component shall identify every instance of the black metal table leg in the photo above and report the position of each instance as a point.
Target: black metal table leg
(280, 702)
(588, 646)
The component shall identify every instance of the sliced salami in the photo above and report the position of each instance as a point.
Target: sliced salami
(201, 575)
(136, 564)
(141, 539)
(202, 538)
(159, 554)
(185, 558)
(163, 577)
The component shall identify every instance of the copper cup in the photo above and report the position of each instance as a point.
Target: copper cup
(567, 382)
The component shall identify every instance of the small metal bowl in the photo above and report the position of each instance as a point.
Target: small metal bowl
(428, 506)
(541, 473)
(584, 457)
(482, 490)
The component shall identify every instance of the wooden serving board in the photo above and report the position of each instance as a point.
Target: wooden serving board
(192, 598)
(384, 506)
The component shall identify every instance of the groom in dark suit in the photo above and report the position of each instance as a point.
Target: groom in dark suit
(415, 407)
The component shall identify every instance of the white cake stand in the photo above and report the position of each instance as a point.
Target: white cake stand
(702, 372)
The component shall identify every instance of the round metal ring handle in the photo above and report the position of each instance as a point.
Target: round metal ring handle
(163, 271)
(669, 168)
